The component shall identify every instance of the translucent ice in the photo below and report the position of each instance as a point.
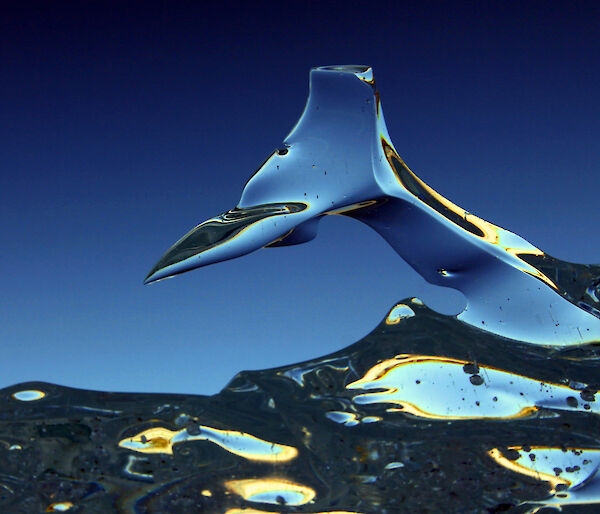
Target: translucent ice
(489, 411)
(339, 159)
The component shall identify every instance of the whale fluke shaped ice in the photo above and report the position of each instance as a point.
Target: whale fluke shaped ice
(339, 159)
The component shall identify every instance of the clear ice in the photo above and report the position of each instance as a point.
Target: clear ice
(492, 410)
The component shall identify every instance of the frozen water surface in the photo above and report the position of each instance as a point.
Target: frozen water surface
(488, 411)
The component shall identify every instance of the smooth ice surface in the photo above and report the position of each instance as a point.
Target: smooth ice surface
(339, 159)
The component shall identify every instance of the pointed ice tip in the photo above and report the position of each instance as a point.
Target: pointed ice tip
(149, 279)
(152, 275)
(155, 275)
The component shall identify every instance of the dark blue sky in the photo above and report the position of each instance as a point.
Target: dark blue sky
(123, 125)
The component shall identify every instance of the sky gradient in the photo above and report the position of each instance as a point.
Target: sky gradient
(123, 126)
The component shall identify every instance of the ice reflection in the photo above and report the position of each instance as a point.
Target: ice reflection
(255, 511)
(28, 396)
(399, 312)
(345, 418)
(445, 388)
(274, 491)
(60, 507)
(134, 462)
(572, 472)
(161, 440)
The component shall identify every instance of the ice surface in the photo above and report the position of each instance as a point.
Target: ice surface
(491, 410)
(339, 159)
(424, 414)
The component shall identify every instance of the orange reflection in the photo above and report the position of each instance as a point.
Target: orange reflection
(446, 388)
(60, 507)
(520, 467)
(161, 440)
(271, 490)
(399, 312)
(480, 228)
(256, 511)
(571, 467)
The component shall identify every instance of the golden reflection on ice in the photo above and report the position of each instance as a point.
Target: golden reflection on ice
(161, 440)
(485, 230)
(29, 395)
(447, 388)
(271, 490)
(527, 467)
(398, 313)
(60, 507)
(569, 471)
(353, 207)
(256, 511)
(248, 511)
(153, 440)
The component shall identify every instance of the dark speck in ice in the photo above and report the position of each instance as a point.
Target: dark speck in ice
(476, 380)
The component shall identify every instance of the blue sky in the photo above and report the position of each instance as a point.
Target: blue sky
(124, 125)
